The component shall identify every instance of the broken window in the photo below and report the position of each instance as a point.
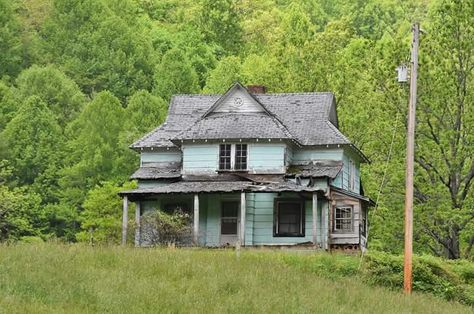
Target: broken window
(289, 219)
(343, 219)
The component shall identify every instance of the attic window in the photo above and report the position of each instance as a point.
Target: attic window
(233, 157)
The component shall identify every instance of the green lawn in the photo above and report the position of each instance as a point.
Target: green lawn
(76, 279)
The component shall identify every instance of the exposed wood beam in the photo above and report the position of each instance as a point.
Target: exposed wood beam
(124, 220)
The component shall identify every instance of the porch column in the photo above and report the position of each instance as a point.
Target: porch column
(315, 217)
(196, 220)
(137, 224)
(243, 209)
(124, 220)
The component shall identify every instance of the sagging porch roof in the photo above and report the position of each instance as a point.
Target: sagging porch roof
(183, 187)
(316, 169)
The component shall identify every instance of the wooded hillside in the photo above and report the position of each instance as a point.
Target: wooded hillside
(80, 80)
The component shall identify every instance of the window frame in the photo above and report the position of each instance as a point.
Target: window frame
(335, 219)
(276, 211)
(233, 157)
(351, 175)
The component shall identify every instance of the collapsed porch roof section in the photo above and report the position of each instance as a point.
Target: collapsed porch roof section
(183, 187)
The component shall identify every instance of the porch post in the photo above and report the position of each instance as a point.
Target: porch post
(315, 217)
(196, 220)
(124, 220)
(243, 208)
(324, 226)
(137, 224)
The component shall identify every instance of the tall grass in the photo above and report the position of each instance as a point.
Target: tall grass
(77, 279)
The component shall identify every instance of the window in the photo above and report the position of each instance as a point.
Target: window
(225, 156)
(241, 156)
(288, 219)
(351, 175)
(343, 219)
(233, 157)
(363, 223)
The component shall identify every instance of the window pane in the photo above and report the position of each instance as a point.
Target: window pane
(241, 156)
(229, 226)
(230, 209)
(224, 156)
(343, 219)
(289, 218)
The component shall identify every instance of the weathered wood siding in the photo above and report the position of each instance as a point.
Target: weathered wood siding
(262, 158)
(247, 103)
(337, 237)
(307, 154)
(162, 155)
(344, 176)
(266, 158)
(200, 158)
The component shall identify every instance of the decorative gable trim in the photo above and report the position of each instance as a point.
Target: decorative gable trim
(236, 99)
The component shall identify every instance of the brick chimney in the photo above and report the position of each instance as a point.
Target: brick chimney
(257, 89)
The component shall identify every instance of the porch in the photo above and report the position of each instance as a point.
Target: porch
(249, 218)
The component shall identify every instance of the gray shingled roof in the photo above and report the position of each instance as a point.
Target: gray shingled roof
(317, 169)
(305, 117)
(158, 170)
(223, 186)
(236, 126)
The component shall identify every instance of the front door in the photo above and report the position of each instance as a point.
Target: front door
(229, 222)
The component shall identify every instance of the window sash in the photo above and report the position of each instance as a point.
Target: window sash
(225, 153)
(343, 219)
(289, 219)
(240, 156)
(233, 156)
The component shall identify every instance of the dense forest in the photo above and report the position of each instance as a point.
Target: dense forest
(80, 80)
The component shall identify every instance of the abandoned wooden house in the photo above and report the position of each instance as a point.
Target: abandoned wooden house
(254, 168)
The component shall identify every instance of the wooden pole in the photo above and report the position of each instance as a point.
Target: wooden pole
(315, 218)
(137, 224)
(407, 269)
(124, 220)
(242, 218)
(196, 220)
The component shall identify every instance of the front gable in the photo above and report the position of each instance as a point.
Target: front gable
(236, 100)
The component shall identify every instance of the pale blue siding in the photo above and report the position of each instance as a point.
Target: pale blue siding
(344, 176)
(200, 158)
(160, 156)
(306, 154)
(266, 158)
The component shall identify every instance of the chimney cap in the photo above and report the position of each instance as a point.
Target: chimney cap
(257, 89)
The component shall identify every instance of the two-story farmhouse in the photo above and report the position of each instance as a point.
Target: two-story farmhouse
(258, 168)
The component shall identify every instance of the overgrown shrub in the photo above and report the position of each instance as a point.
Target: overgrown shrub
(160, 228)
(430, 274)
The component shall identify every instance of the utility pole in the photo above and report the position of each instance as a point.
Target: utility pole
(408, 264)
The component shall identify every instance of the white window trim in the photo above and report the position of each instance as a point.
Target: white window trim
(351, 208)
(232, 157)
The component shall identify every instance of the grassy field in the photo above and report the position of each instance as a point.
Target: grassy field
(76, 279)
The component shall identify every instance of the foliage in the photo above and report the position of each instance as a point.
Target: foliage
(18, 213)
(101, 218)
(94, 147)
(61, 94)
(161, 227)
(175, 75)
(50, 278)
(33, 138)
